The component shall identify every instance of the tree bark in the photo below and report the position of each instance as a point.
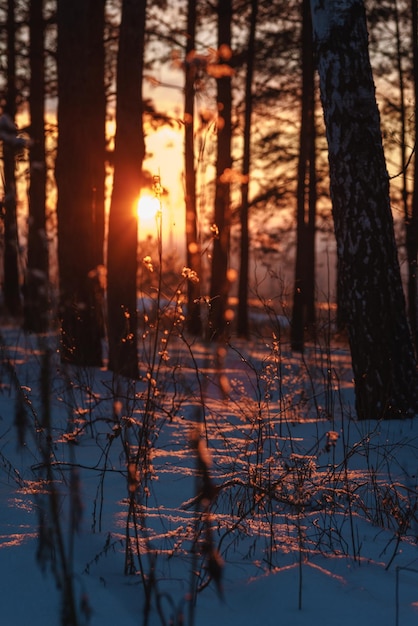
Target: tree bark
(303, 313)
(11, 286)
(242, 313)
(384, 367)
(36, 291)
(410, 219)
(95, 104)
(412, 226)
(128, 157)
(193, 253)
(219, 289)
(80, 311)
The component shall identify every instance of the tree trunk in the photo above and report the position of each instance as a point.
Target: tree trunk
(11, 287)
(36, 292)
(81, 316)
(242, 313)
(193, 253)
(128, 157)
(96, 113)
(384, 367)
(303, 313)
(410, 221)
(219, 289)
(412, 226)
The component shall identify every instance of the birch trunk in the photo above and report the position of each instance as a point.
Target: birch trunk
(384, 366)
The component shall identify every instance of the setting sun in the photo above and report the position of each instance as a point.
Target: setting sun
(147, 207)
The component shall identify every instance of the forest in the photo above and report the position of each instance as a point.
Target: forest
(208, 272)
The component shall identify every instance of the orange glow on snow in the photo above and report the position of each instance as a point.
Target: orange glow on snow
(16, 539)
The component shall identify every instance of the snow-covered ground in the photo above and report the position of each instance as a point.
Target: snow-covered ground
(239, 472)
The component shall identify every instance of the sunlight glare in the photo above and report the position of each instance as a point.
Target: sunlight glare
(147, 207)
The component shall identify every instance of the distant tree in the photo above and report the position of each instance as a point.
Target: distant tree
(11, 285)
(303, 313)
(194, 323)
(36, 299)
(95, 104)
(128, 158)
(242, 313)
(384, 367)
(95, 113)
(275, 145)
(77, 182)
(413, 283)
(398, 15)
(219, 287)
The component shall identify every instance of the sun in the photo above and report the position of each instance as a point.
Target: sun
(147, 207)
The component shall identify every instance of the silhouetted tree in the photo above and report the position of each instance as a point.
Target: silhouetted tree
(36, 293)
(242, 313)
(412, 221)
(303, 313)
(11, 285)
(128, 157)
(95, 104)
(193, 252)
(77, 181)
(219, 288)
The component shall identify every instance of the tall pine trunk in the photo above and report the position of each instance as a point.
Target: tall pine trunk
(193, 253)
(219, 288)
(128, 157)
(11, 286)
(412, 227)
(303, 313)
(242, 313)
(384, 367)
(410, 219)
(77, 156)
(36, 293)
(96, 113)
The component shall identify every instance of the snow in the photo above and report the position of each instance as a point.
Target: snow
(314, 515)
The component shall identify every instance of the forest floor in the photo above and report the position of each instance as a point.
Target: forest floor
(230, 485)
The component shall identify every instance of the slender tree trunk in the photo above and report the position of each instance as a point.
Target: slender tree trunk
(95, 107)
(242, 314)
(219, 289)
(36, 300)
(410, 224)
(11, 287)
(96, 113)
(194, 323)
(384, 367)
(304, 288)
(81, 325)
(412, 227)
(310, 288)
(128, 158)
